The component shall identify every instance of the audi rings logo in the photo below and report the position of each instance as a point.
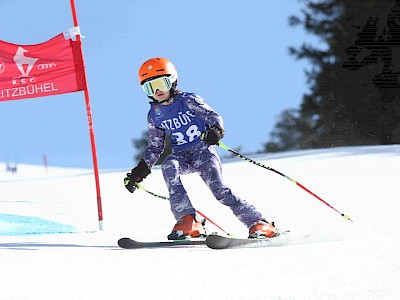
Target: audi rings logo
(2, 66)
(46, 66)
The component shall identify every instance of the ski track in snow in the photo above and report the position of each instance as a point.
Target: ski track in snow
(340, 260)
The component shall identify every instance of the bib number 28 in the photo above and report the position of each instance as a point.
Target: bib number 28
(191, 133)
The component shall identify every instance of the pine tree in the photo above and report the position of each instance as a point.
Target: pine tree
(354, 80)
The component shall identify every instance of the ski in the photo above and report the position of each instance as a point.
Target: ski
(128, 243)
(223, 242)
(215, 241)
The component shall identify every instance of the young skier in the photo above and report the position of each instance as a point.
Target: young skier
(194, 128)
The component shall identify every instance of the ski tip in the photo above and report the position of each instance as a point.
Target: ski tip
(122, 241)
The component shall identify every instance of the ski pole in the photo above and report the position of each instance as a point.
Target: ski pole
(166, 198)
(223, 146)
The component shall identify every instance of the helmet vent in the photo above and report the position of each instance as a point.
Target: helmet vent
(160, 70)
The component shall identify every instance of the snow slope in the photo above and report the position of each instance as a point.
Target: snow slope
(50, 247)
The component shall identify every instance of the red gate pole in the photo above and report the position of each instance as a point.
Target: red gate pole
(91, 131)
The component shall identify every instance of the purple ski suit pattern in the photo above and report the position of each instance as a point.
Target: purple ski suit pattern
(196, 157)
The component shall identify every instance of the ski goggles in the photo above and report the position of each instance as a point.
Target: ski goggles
(163, 84)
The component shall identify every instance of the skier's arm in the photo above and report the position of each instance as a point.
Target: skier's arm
(156, 144)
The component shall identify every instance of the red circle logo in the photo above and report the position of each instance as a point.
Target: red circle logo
(2, 66)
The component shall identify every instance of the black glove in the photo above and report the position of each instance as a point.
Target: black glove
(213, 134)
(136, 175)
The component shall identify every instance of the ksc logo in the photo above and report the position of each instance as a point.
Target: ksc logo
(20, 60)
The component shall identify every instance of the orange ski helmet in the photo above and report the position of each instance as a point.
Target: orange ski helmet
(155, 67)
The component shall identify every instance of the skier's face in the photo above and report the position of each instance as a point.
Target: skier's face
(161, 96)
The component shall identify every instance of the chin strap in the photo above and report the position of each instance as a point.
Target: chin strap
(170, 99)
(160, 102)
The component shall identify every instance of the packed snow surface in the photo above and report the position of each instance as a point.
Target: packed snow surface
(51, 246)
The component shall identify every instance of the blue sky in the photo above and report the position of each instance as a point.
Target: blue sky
(234, 53)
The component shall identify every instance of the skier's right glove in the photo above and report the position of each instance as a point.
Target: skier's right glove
(136, 175)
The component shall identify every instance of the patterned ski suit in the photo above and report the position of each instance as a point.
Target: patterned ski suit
(184, 120)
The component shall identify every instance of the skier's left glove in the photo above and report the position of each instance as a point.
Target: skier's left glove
(213, 134)
(136, 175)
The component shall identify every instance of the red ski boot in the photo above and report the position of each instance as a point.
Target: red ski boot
(263, 229)
(186, 227)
